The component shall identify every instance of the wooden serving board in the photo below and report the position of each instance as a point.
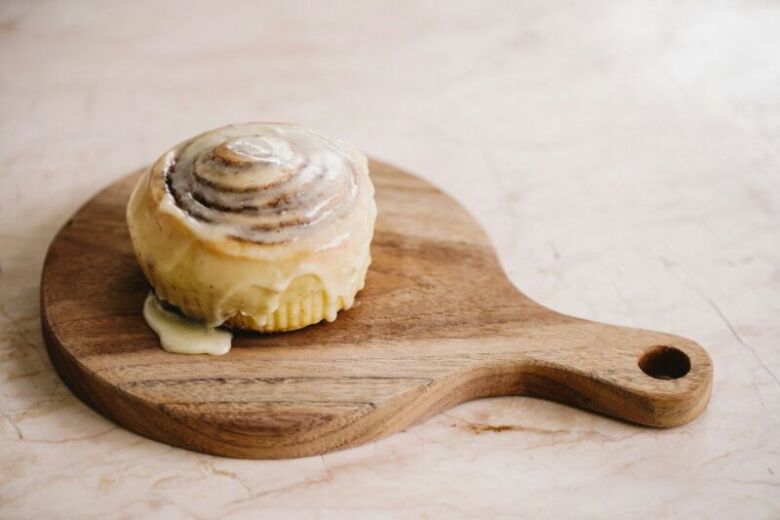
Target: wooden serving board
(437, 324)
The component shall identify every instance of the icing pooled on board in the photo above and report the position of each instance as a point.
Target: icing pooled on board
(181, 335)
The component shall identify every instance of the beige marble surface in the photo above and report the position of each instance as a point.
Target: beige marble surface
(624, 156)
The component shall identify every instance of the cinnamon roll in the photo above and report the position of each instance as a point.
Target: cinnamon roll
(255, 226)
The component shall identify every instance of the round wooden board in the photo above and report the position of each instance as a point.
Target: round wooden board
(437, 324)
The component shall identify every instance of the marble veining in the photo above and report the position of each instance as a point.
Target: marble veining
(623, 156)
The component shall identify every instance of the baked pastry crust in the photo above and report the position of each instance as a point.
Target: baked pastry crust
(255, 226)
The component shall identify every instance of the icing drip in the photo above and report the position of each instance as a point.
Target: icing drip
(183, 336)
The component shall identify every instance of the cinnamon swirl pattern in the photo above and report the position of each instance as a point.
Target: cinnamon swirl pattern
(258, 226)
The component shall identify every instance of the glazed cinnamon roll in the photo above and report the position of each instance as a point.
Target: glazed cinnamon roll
(256, 226)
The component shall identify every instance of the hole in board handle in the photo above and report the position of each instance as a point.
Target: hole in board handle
(664, 362)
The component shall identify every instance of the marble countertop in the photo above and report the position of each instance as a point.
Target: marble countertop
(623, 156)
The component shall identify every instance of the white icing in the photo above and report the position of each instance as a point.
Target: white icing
(184, 336)
(263, 183)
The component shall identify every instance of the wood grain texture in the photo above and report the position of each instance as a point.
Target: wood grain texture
(437, 324)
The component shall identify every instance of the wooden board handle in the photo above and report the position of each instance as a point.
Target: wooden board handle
(641, 376)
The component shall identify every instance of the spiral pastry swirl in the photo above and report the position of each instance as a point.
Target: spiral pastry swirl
(253, 224)
(271, 187)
